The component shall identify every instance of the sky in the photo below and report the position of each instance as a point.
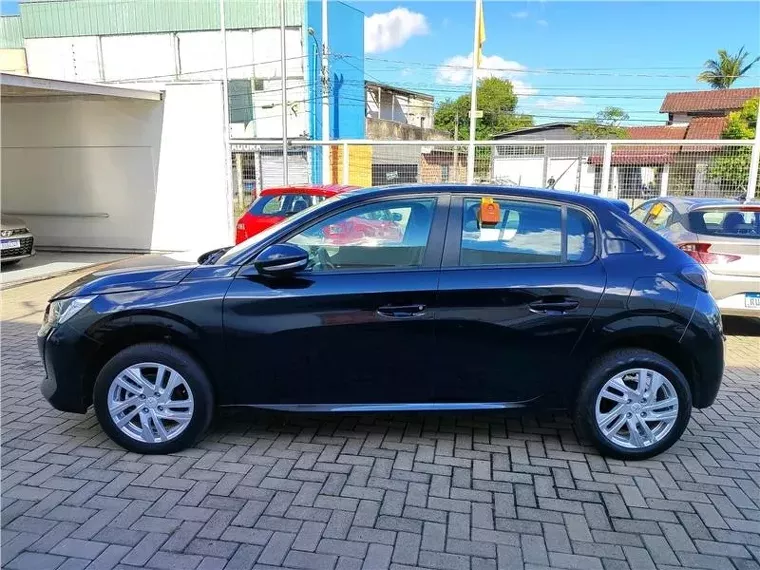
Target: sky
(567, 60)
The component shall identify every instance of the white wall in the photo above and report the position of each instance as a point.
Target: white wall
(192, 56)
(391, 106)
(155, 169)
(524, 171)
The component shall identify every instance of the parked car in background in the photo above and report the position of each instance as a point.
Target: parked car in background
(275, 204)
(16, 241)
(486, 298)
(723, 235)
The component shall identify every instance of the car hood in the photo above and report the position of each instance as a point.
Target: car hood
(137, 273)
(11, 222)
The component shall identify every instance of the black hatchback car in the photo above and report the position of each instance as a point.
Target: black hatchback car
(400, 298)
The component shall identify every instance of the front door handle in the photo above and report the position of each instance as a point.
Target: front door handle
(401, 311)
(553, 306)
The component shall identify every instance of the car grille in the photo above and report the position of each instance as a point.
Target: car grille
(25, 249)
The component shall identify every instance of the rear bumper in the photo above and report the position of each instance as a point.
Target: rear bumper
(730, 290)
(705, 342)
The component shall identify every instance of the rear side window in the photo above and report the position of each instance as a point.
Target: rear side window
(283, 204)
(659, 216)
(527, 233)
(727, 222)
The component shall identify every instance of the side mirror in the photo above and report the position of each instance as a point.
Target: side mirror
(281, 259)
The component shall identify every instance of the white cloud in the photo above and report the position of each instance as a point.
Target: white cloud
(389, 30)
(542, 22)
(561, 102)
(520, 15)
(457, 70)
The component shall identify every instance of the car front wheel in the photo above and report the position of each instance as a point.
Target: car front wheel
(633, 404)
(153, 399)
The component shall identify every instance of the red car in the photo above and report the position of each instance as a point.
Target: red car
(276, 204)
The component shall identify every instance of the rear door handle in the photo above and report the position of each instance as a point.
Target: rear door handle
(559, 306)
(401, 311)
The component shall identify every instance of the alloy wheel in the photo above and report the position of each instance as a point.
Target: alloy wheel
(150, 402)
(636, 408)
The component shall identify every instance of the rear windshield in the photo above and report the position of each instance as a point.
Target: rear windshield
(729, 222)
(283, 204)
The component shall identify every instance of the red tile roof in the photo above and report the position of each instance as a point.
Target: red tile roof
(706, 128)
(713, 100)
(664, 132)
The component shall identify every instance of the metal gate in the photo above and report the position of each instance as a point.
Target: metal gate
(271, 168)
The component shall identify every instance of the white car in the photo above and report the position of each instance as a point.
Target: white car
(16, 241)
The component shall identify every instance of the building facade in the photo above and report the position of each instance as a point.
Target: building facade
(155, 42)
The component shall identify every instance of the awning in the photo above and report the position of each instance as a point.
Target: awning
(12, 85)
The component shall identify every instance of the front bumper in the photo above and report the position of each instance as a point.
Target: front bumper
(25, 249)
(65, 355)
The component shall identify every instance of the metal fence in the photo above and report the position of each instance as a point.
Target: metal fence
(626, 169)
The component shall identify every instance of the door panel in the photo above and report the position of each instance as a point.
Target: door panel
(499, 348)
(332, 338)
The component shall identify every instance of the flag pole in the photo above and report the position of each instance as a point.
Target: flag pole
(473, 94)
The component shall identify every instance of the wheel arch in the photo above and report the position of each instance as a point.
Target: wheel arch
(131, 330)
(655, 340)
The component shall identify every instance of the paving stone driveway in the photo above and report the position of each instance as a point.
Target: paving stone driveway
(448, 492)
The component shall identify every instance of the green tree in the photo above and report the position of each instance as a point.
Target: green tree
(731, 169)
(606, 125)
(722, 72)
(497, 100)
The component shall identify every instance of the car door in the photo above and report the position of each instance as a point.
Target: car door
(358, 326)
(514, 299)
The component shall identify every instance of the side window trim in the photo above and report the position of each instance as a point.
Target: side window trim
(434, 248)
(453, 241)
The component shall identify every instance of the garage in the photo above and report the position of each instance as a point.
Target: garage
(105, 168)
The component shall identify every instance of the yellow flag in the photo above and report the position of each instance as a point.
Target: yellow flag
(481, 32)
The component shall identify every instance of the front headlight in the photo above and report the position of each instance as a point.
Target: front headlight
(60, 311)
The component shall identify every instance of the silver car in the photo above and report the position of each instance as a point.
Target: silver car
(16, 241)
(723, 235)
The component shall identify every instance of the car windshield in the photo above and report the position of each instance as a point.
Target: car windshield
(260, 237)
(726, 222)
(283, 204)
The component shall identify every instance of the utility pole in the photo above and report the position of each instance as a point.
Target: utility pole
(326, 170)
(226, 122)
(284, 73)
(456, 148)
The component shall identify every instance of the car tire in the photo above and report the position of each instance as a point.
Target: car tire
(189, 396)
(596, 392)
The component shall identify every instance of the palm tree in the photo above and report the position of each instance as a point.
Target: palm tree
(722, 73)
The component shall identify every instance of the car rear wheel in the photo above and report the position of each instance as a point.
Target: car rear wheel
(633, 404)
(153, 398)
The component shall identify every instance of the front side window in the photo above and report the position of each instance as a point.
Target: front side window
(387, 234)
(526, 233)
(283, 204)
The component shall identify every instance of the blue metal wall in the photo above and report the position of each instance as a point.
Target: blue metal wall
(346, 67)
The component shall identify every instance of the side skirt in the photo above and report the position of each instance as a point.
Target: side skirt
(415, 407)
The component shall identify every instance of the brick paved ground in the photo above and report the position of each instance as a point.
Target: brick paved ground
(448, 492)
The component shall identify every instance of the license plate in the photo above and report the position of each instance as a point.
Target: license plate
(752, 300)
(10, 244)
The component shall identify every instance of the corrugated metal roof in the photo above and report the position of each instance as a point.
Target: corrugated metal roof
(10, 32)
(68, 18)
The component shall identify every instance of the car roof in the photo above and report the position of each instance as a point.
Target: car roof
(588, 200)
(321, 189)
(685, 204)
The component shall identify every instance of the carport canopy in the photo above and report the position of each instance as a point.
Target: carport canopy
(80, 161)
